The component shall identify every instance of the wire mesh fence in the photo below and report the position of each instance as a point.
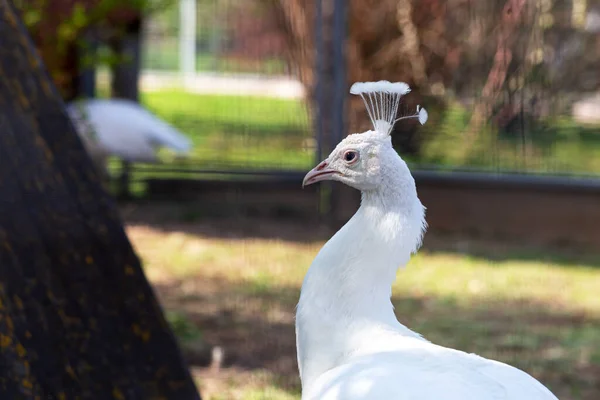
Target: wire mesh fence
(511, 84)
(235, 98)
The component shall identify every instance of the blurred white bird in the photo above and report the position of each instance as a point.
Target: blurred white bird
(350, 344)
(123, 128)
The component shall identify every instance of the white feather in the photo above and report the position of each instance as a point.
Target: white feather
(423, 116)
(350, 345)
(380, 86)
(382, 99)
(124, 129)
(426, 372)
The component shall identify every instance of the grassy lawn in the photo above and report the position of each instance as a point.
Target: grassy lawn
(557, 146)
(229, 132)
(165, 56)
(242, 132)
(234, 284)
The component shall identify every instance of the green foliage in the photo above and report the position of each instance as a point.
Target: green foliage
(31, 12)
(68, 30)
(80, 18)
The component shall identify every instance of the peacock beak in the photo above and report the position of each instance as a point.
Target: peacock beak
(319, 173)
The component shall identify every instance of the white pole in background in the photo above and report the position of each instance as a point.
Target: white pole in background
(187, 40)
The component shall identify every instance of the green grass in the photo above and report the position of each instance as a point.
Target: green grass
(557, 145)
(244, 131)
(230, 132)
(534, 309)
(238, 132)
(165, 57)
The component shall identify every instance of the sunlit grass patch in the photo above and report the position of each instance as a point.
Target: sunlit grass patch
(541, 315)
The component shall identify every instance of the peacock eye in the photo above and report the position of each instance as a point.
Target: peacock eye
(351, 156)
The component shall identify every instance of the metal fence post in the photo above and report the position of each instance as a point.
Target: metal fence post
(318, 92)
(339, 71)
(330, 97)
(339, 193)
(319, 99)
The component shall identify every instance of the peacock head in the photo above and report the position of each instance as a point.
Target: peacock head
(366, 160)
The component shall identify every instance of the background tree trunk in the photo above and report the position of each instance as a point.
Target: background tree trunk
(503, 61)
(78, 318)
(387, 39)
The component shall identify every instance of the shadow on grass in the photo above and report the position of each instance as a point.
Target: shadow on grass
(224, 221)
(254, 325)
(565, 255)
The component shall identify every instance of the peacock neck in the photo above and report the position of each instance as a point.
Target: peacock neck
(346, 292)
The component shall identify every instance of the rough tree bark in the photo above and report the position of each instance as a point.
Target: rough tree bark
(78, 319)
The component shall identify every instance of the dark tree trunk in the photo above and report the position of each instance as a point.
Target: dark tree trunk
(125, 75)
(78, 318)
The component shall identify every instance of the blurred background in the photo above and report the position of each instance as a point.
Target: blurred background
(507, 165)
